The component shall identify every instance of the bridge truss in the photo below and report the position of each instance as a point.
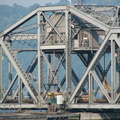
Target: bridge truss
(72, 50)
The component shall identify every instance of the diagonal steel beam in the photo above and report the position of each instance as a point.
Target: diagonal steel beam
(92, 65)
(29, 16)
(75, 79)
(18, 69)
(76, 33)
(19, 23)
(83, 59)
(98, 69)
(30, 69)
(52, 26)
(101, 86)
(9, 88)
(54, 74)
(88, 18)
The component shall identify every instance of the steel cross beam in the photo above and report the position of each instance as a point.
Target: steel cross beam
(29, 16)
(17, 67)
(88, 18)
(9, 88)
(54, 26)
(101, 86)
(92, 65)
(83, 59)
(95, 60)
(23, 36)
(76, 33)
(103, 75)
(98, 69)
(25, 28)
(115, 19)
(74, 76)
(19, 23)
(54, 74)
(30, 69)
(62, 83)
(86, 63)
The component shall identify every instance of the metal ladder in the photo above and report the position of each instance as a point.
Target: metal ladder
(7, 48)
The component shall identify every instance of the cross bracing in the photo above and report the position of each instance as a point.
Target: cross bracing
(70, 50)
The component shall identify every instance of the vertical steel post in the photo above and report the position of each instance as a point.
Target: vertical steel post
(113, 70)
(1, 72)
(49, 71)
(68, 53)
(39, 88)
(118, 70)
(118, 17)
(40, 58)
(20, 97)
(91, 94)
(10, 75)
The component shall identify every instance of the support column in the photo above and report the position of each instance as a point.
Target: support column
(10, 76)
(118, 17)
(40, 58)
(118, 70)
(91, 89)
(49, 71)
(68, 53)
(20, 97)
(113, 70)
(1, 95)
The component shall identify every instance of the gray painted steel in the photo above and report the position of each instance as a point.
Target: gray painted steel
(87, 33)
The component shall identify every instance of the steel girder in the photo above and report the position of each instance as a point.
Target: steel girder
(18, 68)
(68, 53)
(89, 19)
(92, 65)
(54, 8)
(67, 11)
(29, 16)
(1, 96)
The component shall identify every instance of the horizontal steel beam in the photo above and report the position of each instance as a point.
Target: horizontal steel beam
(95, 106)
(24, 37)
(52, 47)
(51, 8)
(18, 106)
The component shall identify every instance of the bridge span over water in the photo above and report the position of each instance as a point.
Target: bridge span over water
(68, 51)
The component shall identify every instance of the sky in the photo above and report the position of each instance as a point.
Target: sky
(26, 3)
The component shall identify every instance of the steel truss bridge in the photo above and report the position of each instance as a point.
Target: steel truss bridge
(73, 50)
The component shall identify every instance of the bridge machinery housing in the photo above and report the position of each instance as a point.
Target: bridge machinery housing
(70, 51)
